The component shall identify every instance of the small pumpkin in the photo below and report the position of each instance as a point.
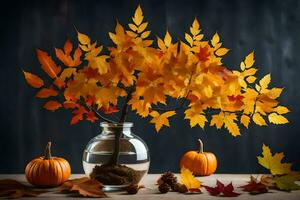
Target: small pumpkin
(47, 171)
(200, 163)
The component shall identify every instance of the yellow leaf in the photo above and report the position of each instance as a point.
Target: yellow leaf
(132, 27)
(242, 66)
(66, 73)
(218, 120)
(251, 79)
(33, 80)
(138, 16)
(195, 27)
(259, 120)
(145, 34)
(215, 40)
(189, 39)
(245, 120)
(83, 39)
(287, 182)
(198, 37)
(188, 179)
(274, 93)
(198, 119)
(161, 119)
(249, 60)
(281, 110)
(161, 44)
(265, 81)
(167, 39)
(142, 27)
(131, 34)
(273, 163)
(257, 87)
(231, 125)
(222, 51)
(277, 119)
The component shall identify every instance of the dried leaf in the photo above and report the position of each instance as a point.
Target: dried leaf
(254, 186)
(13, 189)
(33, 80)
(287, 182)
(84, 187)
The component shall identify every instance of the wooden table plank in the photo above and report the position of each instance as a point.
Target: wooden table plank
(151, 191)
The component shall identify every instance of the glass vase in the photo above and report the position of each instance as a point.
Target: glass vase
(116, 157)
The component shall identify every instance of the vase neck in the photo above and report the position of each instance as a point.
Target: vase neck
(116, 128)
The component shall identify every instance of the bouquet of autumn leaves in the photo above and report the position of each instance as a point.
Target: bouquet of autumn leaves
(144, 75)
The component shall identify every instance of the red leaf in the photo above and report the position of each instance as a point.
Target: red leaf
(33, 80)
(204, 54)
(78, 115)
(91, 117)
(46, 92)
(52, 105)
(70, 105)
(254, 187)
(90, 100)
(48, 65)
(194, 190)
(226, 191)
(235, 98)
(109, 110)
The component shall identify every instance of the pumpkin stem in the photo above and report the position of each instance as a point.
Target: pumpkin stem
(200, 146)
(48, 152)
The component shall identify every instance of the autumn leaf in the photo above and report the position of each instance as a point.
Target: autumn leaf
(287, 182)
(78, 115)
(249, 60)
(259, 120)
(167, 39)
(46, 92)
(265, 81)
(48, 65)
(65, 57)
(273, 163)
(83, 39)
(84, 187)
(195, 28)
(281, 110)
(245, 120)
(221, 190)
(109, 110)
(277, 119)
(33, 80)
(91, 116)
(217, 120)
(13, 189)
(52, 105)
(195, 118)
(138, 16)
(161, 119)
(188, 179)
(215, 40)
(254, 186)
(222, 51)
(231, 125)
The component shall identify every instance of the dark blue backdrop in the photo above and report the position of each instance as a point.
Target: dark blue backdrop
(271, 28)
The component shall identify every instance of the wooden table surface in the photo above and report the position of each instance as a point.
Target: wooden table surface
(151, 191)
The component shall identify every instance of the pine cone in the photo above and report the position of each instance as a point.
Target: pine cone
(132, 189)
(164, 188)
(169, 178)
(182, 188)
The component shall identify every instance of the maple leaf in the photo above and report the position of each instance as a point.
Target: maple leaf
(65, 57)
(33, 80)
(222, 190)
(161, 119)
(109, 110)
(188, 179)
(254, 186)
(273, 163)
(84, 187)
(52, 105)
(13, 189)
(48, 65)
(217, 120)
(195, 118)
(287, 182)
(231, 125)
(46, 92)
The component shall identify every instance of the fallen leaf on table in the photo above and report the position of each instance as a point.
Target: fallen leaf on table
(287, 182)
(221, 190)
(273, 163)
(189, 180)
(14, 189)
(268, 181)
(84, 187)
(254, 186)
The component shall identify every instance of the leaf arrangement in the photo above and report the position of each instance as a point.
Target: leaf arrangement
(144, 74)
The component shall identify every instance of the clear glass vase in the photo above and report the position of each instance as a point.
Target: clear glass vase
(116, 157)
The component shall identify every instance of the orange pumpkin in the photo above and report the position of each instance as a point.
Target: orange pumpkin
(200, 163)
(47, 171)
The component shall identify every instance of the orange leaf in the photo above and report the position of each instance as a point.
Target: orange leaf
(70, 105)
(48, 65)
(65, 57)
(109, 110)
(52, 105)
(78, 115)
(33, 80)
(46, 92)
